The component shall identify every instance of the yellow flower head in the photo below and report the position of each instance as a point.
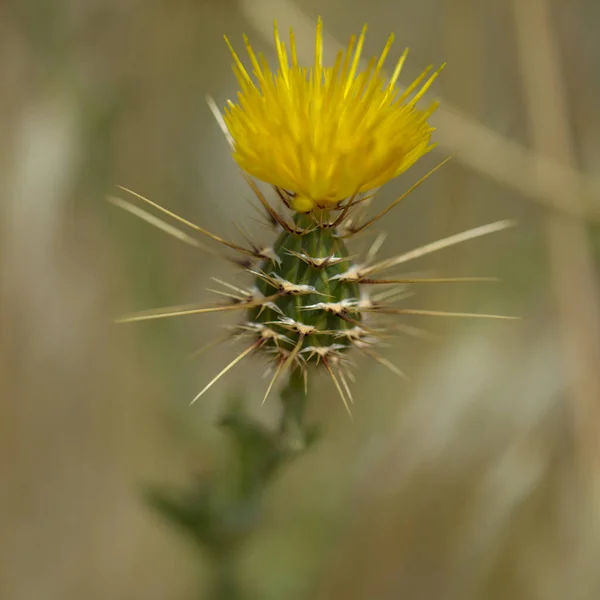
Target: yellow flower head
(326, 134)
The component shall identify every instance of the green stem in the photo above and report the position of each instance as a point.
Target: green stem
(225, 583)
(290, 439)
(292, 433)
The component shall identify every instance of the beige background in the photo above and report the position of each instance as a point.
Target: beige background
(473, 481)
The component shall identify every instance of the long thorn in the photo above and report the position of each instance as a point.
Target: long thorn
(430, 280)
(345, 384)
(229, 285)
(294, 352)
(179, 311)
(452, 240)
(416, 332)
(337, 385)
(352, 202)
(227, 295)
(273, 380)
(158, 223)
(230, 366)
(375, 247)
(283, 196)
(390, 296)
(212, 105)
(437, 313)
(265, 221)
(400, 198)
(270, 210)
(386, 363)
(193, 226)
(209, 345)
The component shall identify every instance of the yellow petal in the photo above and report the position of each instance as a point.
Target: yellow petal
(326, 133)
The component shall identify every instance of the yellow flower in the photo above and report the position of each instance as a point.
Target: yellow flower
(326, 134)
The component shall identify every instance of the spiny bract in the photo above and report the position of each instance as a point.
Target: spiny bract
(324, 138)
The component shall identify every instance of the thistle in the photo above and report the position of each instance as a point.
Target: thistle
(325, 139)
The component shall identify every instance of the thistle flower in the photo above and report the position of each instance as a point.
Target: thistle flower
(325, 138)
(326, 133)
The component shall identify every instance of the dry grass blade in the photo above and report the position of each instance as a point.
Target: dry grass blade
(574, 274)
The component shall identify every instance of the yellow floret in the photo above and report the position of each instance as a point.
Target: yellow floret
(326, 133)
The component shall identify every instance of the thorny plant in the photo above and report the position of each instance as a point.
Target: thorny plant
(325, 139)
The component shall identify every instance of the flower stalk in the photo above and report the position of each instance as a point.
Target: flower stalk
(324, 139)
(294, 435)
(221, 511)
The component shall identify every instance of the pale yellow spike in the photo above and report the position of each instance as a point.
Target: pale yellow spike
(410, 190)
(226, 294)
(190, 309)
(452, 240)
(345, 210)
(376, 246)
(294, 352)
(415, 332)
(245, 233)
(214, 109)
(229, 285)
(193, 226)
(392, 296)
(270, 210)
(386, 363)
(163, 313)
(431, 280)
(230, 366)
(261, 310)
(337, 385)
(158, 223)
(212, 344)
(273, 380)
(438, 313)
(345, 384)
(261, 219)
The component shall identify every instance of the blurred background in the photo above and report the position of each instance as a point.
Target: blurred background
(477, 479)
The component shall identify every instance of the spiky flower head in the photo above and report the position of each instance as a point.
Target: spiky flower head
(326, 133)
(324, 138)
